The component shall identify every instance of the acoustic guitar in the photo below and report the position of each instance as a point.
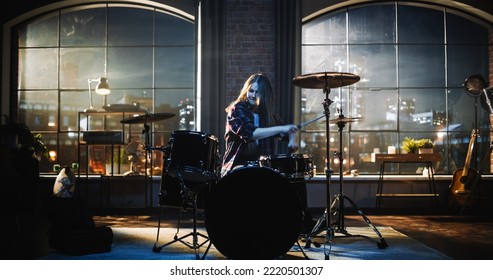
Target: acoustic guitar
(466, 179)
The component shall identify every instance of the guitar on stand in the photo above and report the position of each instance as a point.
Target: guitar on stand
(464, 188)
(465, 180)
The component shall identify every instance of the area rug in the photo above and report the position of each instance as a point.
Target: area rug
(358, 243)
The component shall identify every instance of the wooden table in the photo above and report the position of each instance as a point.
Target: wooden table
(427, 159)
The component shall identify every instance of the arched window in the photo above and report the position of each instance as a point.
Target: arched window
(147, 55)
(412, 60)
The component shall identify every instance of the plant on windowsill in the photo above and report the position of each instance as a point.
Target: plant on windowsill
(425, 146)
(414, 146)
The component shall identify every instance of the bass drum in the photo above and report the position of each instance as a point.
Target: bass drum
(253, 213)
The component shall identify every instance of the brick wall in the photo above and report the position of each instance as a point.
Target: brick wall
(250, 42)
(490, 55)
(490, 79)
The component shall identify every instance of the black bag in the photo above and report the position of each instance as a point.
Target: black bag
(81, 241)
(73, 231)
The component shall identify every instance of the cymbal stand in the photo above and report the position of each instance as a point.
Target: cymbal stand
(337, 206)
(329, 231)
(147, 143)
(186, 194)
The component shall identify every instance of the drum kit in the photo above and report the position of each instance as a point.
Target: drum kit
(237, 207)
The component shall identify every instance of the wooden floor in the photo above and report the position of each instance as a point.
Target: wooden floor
(466, 236)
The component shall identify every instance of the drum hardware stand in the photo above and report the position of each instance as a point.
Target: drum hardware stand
(328, 171)
(337, 206)
(144, 119)
(326, 80)
(186, 194)
(302, 250)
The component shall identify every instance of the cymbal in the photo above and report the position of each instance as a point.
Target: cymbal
(148, 118)
(325, 80)
(343, 120)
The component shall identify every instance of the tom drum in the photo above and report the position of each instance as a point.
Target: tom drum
(193, 156)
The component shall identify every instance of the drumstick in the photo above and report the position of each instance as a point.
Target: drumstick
(310, 121)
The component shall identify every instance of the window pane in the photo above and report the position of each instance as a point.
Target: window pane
(461, 30)
(324, 58)
(364, 146)
(171, 30)
(135, 99)
(422, 109)
(421, 66)
(420, 25)
(68, 148)
(130, 27)
(72, 102)
(462, 110)
(83, 27)
(174, 67)
(327, 29)
(463, 61)
(130, 67)
(174, 101)
(77, 65)
(375, 64)
(42, 32)
(38, 110)
(313, 107)
(336, 146)
(372, 24)
(314, 144)
(38, 68)
(376, 108)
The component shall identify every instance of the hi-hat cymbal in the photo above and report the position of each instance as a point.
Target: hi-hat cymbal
(325, 80)
(343, 120)
(147, 118)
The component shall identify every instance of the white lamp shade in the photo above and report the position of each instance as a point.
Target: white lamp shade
(103, 88)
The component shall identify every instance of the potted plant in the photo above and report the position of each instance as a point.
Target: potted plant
(425, 146)
(421, 146)
(19, 137)
(409, 145)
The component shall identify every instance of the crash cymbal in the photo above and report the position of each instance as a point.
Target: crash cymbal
(325, 80)
(147, 118)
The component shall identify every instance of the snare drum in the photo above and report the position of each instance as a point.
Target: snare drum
(290, 165)
(193, 156)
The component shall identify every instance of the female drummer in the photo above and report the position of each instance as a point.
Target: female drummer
(250, 130)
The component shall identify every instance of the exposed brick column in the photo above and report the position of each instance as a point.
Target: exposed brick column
(250, 42)
(490, 79)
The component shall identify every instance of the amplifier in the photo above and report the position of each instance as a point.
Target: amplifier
(103, 137)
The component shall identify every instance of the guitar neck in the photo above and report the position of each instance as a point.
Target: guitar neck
(467, 163)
